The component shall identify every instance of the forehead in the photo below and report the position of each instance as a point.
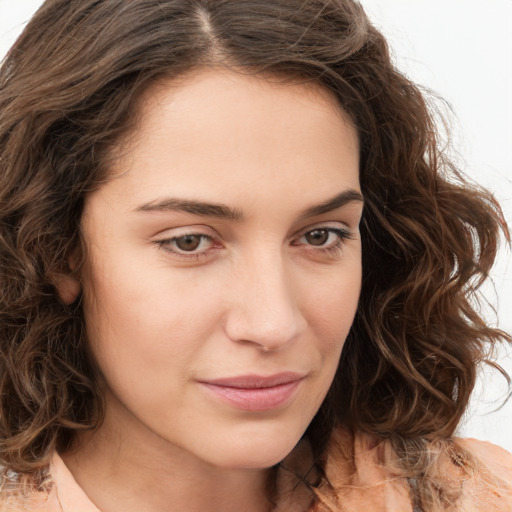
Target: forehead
(231, 99)
(230, 135)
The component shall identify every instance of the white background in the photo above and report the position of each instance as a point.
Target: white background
(461, 49)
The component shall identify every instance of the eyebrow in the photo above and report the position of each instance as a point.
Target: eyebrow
(205, 209)
(338, 201)
(194, 207)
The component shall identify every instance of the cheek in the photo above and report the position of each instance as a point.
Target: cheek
(139, 318)
(333, 305)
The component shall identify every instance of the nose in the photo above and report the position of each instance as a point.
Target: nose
(264, 307)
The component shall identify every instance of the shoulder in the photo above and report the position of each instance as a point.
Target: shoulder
(33, 503)
(490, 487)
(364, 473)
(360, 474)
(494, 457)
(17, 495)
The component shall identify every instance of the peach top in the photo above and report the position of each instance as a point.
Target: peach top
(361, 483)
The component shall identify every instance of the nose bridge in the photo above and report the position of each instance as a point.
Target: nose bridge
(265, 309)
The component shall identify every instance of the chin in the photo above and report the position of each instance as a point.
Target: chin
(256, 450)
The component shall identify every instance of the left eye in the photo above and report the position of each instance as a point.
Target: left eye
(323, 237)
(317, 237)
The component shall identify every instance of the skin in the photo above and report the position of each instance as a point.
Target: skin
(262, 293)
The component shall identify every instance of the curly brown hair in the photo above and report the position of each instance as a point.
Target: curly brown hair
(67, 97)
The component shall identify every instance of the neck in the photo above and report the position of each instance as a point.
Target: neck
(143, 472)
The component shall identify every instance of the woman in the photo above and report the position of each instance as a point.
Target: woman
(236, 270)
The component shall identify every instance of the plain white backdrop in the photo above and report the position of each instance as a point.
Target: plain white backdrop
(463, 52)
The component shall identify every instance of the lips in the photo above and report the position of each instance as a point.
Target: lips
(255, 393)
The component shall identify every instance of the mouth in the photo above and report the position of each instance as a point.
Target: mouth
(255, 393)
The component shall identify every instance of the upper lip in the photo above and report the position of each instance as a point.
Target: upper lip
(256, 381)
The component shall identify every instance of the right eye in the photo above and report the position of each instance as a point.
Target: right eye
(187, 245)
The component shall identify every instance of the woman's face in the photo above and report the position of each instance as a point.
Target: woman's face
(224, 267)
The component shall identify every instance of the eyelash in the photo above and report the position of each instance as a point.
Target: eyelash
(167, 243)
(333, 249)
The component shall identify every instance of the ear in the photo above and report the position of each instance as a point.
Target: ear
(68, 287)
(67, 283)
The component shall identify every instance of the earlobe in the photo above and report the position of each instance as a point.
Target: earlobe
(68, 288)
(67, 283)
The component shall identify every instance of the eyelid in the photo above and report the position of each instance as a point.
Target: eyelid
(328, 225)
(340, 229)
(328, 252)
(165, 242)
(182, 230)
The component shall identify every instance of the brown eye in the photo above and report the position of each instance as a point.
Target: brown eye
(317, 237)
(188, 243)
(323, 238)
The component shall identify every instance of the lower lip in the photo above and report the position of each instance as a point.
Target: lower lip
(255, 399)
